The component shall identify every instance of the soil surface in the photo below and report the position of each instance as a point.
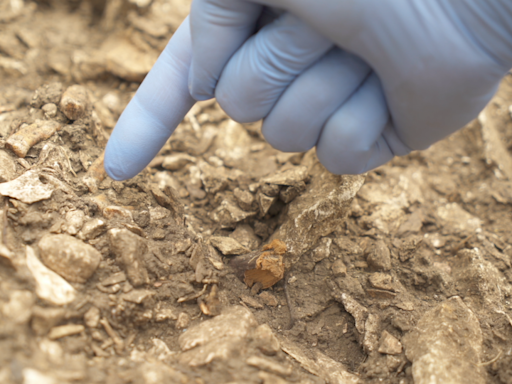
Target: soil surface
(227, 261)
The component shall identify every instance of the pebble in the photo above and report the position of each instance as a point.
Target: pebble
(19, 307)
(251, 301)
(268, 299)
(358, 312)
(49, 110)
(65, 330)
(183, 321)
(74, 221)
(49, 286)
(228, 246)
(379, 257)
(7, 167)
(389, 344)
(177, 161)
(245, 199)
(27, 188)
(266, 340)
(74, 102)
(339, 268)
(381, 281)
(322, 251)
(92, 317)
(69, 257)
(129, 250)
(245, 235)
(92, 229)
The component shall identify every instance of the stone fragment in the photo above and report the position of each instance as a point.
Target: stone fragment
(69, 257)
(270, 190)
(127, 61)
(214, 179)
(290, 176)
(49, 286)
(49, 110)
(137, 296)
(228, 214)
(33, 376)
(379, 257)
(455, 220)
(371, 328)
(445, 346)
(251, 301)
(245, 235)
(65, 330)
(381, 281)
(27, 188)
(92, 229)
(266, 341)
(228, 246)
(95, 174)
(320, 365)
(319, 211)
(19, 307)
(348, 246)
(287, 194)
(177, 161)
(245, 199)
(322, 250)
(218, 338)
(339, 268)
(183, 321)
(264, 202)
(129, 250)
(92, 317)
(116, 278)
(269, 365)
(358, 312)
(389, 344)
(7, 167)
(74, 102)
(268, 299)
(74, 221)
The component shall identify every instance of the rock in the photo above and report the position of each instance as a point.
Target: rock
(245, 235)
(379, 257)
(48, 93)
(228, 246)
(266, 340)
(74, 221)
(245, 199)
(455, 220)
(214, 179)
(446, 345)
(127, 61)
(322, 250)
(50, 110)
(19, 307)
(129, 249)
(69, 257)
(27, 188)
(264, 202)
(251, 301)
(319, 211)
(268, 365)
(389, 344)
(339, 268)
(92, 229)
(371, 329)
(49, 286)
(268, 299)
(74, 102)
(348, 246)
(217, 339)
(288, 177)
(92, 317)
(381, 281)
(137, 296)
(358, 312)
(7, 167)
(183, 321)
(227, 214)
(177, 161)
(65, 330)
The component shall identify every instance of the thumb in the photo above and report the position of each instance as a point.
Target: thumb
(157, 108)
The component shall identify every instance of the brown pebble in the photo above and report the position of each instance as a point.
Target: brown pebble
(268, 299)
(183, 321)
(379, 257)
(74, 102)
(389, 344)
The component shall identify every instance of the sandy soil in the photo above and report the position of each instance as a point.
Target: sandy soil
(227, 261)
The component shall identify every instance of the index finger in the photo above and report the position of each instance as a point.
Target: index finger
(160, 104)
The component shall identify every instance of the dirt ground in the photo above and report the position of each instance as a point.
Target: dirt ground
(227, 261)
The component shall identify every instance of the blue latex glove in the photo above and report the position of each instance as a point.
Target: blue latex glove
(427, 68)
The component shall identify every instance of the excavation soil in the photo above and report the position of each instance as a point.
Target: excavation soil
(150, 280)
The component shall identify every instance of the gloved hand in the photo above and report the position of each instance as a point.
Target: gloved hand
(427, 68)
